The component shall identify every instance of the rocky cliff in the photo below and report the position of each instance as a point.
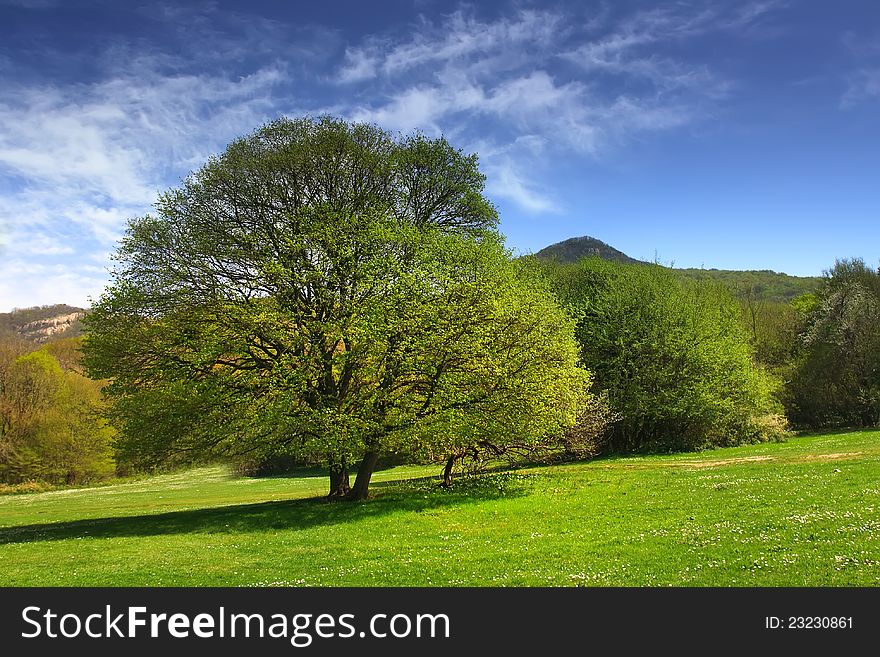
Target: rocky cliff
(43, 323)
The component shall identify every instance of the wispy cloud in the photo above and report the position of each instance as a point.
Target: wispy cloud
(862, 85)
(40, 244)
(110, 146)
(629, 49)
(78, 159)
(862, 81)
(360, 64)
(459, 37)
(523, 89)
(460, 73)
(507, 181)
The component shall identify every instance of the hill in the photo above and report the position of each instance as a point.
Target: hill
(763, 284)
(43, 323)
(576, 248)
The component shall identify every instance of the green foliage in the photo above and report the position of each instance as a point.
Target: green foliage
(772, 328)
(67, 352)
(762, 285)
(671, 355)
(50, 424)
(518, 387)
(836, 379)
(324, 290)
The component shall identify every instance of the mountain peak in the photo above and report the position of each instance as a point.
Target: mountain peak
(576, 248)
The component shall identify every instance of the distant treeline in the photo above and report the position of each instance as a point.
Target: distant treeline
(764, 285)
(657, 338)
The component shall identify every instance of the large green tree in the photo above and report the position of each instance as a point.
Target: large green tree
(326, 289)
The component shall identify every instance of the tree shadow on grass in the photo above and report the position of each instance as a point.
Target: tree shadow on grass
(413, 496)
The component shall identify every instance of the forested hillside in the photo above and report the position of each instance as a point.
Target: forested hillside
(764, 285)
(42, 323)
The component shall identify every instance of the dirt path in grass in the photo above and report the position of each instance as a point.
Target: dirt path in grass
(835, 456)
(830, 457)
(713, 464)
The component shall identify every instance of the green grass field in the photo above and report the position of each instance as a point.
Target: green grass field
(801, 513)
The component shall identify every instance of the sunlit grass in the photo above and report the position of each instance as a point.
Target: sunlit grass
(804, 512)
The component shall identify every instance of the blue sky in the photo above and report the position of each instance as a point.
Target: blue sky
(735, 135)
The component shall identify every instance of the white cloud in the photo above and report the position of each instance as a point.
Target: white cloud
(459, 37)
(506, 181)
(84, 158)
(412, 109)
(528, 95)
(462, 36)
(631, 114)
(460, 74)
(40, 244)
(685, 20)
(25, 283)
(91, 155)
(630, 49)
(359, 65)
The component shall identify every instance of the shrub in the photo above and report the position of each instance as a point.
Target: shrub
(672, 357)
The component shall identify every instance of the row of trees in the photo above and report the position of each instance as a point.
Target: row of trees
(331, 293)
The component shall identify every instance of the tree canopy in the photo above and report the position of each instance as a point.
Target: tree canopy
(328, 289)
(836, 378)
(672, 356)
(50, 423)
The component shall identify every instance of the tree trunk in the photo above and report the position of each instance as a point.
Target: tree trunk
(339, 486)
(447, 471)
(361, 488)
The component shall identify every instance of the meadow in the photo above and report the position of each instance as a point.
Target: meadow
(805, 512)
